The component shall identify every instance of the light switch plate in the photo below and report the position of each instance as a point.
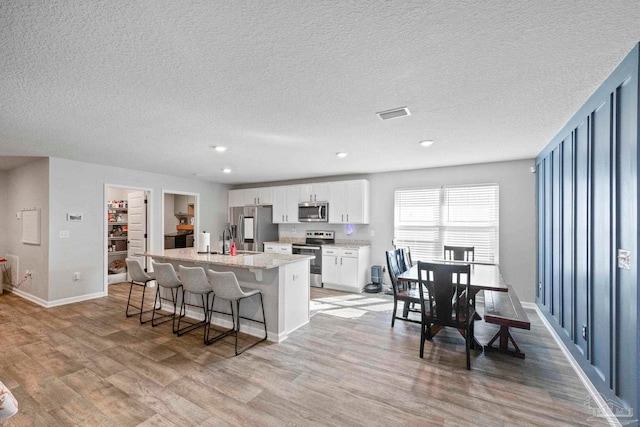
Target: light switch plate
(624, 259)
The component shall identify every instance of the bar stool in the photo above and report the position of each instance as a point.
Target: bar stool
(225, 286)
(139, 278)
(166, 278)
(194, 281)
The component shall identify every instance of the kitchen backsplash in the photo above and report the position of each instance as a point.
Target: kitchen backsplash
(294, 233)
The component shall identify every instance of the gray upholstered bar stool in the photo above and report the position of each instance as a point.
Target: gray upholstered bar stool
(225, 286)
(166, 278)
(138, 278)
(194, 282)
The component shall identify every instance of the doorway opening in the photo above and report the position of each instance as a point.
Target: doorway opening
(180, 219)
(126, 230)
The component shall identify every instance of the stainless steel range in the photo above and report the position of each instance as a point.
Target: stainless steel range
(313, 246)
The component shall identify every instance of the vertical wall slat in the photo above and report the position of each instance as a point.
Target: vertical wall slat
(548, 232)
(581, 237)
(567, 235)
(556, 266)
(626, 281)
(600, 273)
(540, 174)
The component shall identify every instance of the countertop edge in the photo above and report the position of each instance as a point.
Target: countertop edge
(263, 261)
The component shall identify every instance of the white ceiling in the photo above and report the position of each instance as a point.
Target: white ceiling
(151, 85)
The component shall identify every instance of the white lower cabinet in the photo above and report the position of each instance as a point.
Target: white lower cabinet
(277, 248)
(345, 268)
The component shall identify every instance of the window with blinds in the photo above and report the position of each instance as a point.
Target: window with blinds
(426, 219)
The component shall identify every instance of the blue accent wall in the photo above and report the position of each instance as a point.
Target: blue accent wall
(587, 195)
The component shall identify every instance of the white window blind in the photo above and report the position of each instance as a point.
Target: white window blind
(426, 219)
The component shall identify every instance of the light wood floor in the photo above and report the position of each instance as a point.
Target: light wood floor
(86, 364)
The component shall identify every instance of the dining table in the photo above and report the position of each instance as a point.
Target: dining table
(484, 277)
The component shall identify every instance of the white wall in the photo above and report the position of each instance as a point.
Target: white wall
(80, 187)
(28, 187)
(4, 218)
(117, 193)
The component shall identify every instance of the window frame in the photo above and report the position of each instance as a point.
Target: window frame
(439, 234)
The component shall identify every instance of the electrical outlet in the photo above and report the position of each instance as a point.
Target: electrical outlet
(373, 233)
(76, 276)
(28, 273)
(584, 332)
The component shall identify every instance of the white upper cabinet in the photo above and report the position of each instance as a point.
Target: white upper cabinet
(251, 197)
(180, 204)
(258, 196)
(314, 192)
(236, 198)
(349, 202)
(285, 204)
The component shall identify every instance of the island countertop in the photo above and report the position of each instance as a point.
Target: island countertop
(249, 260)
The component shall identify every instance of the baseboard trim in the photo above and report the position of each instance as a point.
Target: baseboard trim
(71, 300)
(605, 410)
(56, 303)
(28, 296)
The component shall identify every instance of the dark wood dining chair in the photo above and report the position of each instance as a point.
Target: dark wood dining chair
(406, 256)
(401, 291)
(447, 303)
(459, 253)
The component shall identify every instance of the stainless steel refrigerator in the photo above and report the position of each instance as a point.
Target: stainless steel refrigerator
(251, 226)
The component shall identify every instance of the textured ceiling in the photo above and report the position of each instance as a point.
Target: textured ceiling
(151, 85)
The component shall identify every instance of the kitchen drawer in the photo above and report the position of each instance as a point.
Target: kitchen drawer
(277, 248)
(349, 253)
(330, 251)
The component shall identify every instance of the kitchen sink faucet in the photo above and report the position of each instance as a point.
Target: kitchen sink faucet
(224, 245)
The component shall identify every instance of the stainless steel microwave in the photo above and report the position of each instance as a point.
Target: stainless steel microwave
(313, 212)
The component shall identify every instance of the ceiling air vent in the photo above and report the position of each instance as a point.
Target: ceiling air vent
(392, 114)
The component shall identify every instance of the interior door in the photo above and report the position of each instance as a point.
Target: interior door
(137, 226)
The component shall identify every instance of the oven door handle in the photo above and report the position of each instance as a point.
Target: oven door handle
(313, 248)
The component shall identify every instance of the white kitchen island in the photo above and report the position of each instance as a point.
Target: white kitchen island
(282, 279)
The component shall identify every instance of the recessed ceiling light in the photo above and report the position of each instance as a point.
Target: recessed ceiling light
(427, 142)
(226, 170)
(342, 155)
(392, 114)
(219, 148)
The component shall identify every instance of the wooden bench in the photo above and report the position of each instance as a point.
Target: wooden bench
(504, 309)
